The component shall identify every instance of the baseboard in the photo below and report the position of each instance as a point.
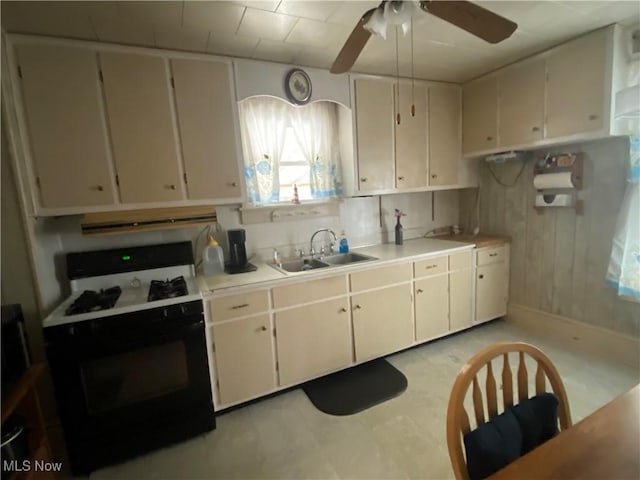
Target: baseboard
(616, 346)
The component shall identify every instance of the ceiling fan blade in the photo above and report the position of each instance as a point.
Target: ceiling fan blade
(474, 19)
(353, 46)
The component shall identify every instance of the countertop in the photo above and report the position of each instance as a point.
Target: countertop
(480, 240)
(385, 253)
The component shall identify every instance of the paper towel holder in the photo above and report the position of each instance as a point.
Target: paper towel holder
(571, 163)
(566, 162)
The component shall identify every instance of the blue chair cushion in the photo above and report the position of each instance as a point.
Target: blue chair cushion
(516, 431)
(493, 445)
(538, 419)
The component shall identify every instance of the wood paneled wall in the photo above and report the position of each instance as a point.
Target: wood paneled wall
(559, 259)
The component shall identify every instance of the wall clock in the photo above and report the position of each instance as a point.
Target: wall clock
(297, 86)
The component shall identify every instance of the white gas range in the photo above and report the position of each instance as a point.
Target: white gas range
(118, 293)
(128, 354)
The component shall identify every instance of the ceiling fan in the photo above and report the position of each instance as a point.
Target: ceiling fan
(470, 17)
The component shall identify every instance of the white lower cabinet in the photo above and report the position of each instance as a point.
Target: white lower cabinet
(492, 282)
(382, 321)
(244, 358)
(461, 295)
(327, 324)
(460, 299)
(312, 340)
(432, 307)
(491, 301)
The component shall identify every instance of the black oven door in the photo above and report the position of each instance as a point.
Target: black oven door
(129, 373)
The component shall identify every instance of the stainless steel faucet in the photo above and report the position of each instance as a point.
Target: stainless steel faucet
(328, 230)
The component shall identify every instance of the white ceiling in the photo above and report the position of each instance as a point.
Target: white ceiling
(311, 33)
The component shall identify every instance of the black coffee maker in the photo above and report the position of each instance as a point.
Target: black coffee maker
(238, 253)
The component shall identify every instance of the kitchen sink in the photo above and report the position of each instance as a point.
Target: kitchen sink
(346, 258)
(301, 265)
(306, 264)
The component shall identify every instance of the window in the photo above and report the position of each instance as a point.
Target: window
(286, 146)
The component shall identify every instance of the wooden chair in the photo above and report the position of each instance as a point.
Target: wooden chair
(457, 418)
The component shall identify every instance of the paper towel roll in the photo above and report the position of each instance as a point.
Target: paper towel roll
(553, 180)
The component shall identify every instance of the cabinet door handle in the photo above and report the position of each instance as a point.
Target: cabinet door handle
(593, 116)
(400, 178)
(535, 129)
(343, 310)
(480, 276)
(364, 179)
(357, 307)
(263, 328)
(170, 187)
(429, 267)
(419, 290)
(493, 254)
(233, 184)
(489, 139)
(236, 307)
(434, 176)
(99, 188)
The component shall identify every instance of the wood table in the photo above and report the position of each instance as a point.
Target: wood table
(604, 445)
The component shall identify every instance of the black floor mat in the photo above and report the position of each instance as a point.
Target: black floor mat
(356, 389)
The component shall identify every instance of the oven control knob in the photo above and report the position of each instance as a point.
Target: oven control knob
(136, 283)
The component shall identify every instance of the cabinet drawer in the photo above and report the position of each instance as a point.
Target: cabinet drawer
(304, 292)
(380, 277)
(460, 261)
(425, 268)
(223, 308)
(487, 256)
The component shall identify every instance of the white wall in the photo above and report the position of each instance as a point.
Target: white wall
(366, 221)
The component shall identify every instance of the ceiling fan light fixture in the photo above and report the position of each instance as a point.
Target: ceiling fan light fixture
(377, 23)
(400, 12)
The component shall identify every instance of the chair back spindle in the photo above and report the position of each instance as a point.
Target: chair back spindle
(507, 382)
(478, 407)
(523, 378)
(492, 400)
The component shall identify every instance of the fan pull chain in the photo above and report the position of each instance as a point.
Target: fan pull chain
(413, 83)
(397, 81)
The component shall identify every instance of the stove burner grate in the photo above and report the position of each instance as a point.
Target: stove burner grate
(92, 301)
(159, 290)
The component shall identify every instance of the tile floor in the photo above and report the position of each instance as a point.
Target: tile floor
(285, 437)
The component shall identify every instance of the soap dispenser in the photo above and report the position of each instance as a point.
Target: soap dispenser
(343, 244)
(212, 258)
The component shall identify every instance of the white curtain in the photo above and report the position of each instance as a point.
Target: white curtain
(316, 131)
(623, 273)
(263, 123)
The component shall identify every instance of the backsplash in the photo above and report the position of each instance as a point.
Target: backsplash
(365, 220)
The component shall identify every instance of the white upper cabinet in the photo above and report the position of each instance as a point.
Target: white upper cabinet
(411, 136)
(66, 128)
(444, 134)
(480, 115)
(562, 95)
(143, 135)
(521, 104)
(374, 134)
(576, 86)
(206, 122)
(422, 150)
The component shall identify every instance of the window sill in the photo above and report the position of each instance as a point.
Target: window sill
(289, 212)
